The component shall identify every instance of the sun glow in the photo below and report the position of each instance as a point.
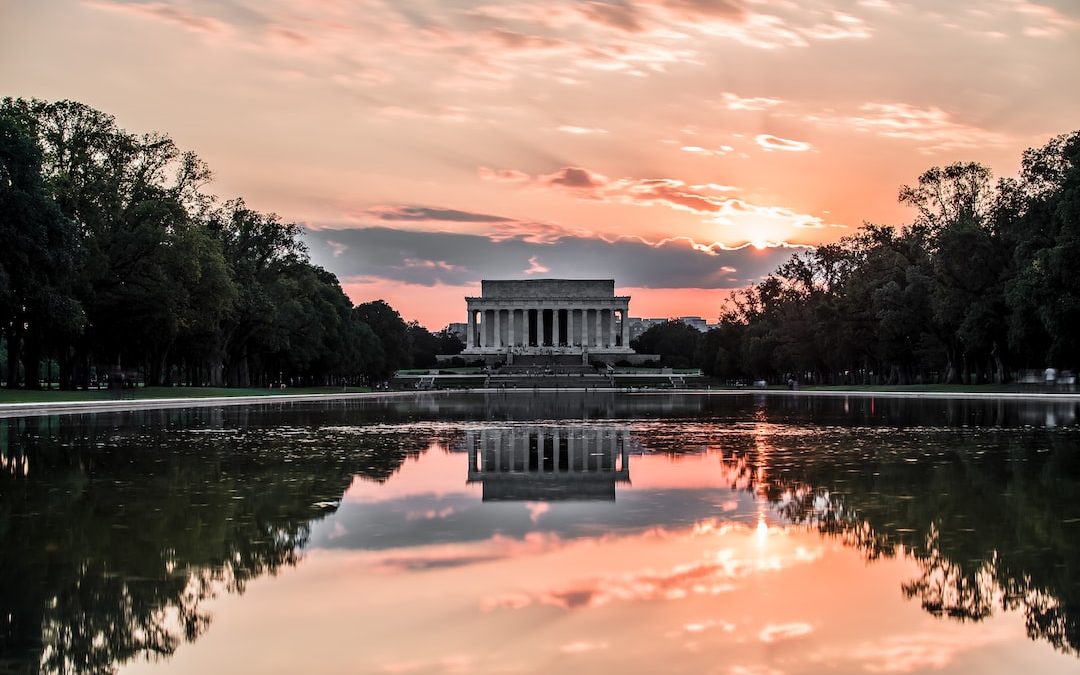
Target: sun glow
(759, 244)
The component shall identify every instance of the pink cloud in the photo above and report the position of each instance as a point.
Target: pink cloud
(579, 131)
(161, 11)
(1045, 21)
(502, 175)
(727, 10)
(769, 142)
(502, 37)
(455, 555)
(337, 247)
(534, 233)
(933, 128)
(582, 647)
(712, 200)
(785, 631)
(715, 575)
(913, 652)
(536, 268)
(619, 16)
(573, 177)
(736, 102)
(288, 37)
(707, 152)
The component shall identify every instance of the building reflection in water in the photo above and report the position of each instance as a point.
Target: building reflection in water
(548, 463)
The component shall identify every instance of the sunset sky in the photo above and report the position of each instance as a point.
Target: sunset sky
(680, 146)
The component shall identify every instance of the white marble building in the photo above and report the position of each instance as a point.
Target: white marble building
(548, 317)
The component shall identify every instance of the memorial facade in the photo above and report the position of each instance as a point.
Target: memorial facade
(548, 317)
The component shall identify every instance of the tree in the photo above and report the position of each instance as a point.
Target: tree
(36, 308)
(448, 342)
(1043, 230)
(675, 342)
(392, 332)
(120, 263)
(423, 346)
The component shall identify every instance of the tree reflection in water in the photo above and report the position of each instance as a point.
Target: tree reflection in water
(115, 530)
(991, 517)
(110, 548)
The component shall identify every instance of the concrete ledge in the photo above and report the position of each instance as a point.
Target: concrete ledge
(635, 391)
(38, 409)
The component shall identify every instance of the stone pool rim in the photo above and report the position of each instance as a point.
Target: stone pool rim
(37, 409)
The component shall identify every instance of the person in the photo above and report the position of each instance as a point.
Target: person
(1051, 375)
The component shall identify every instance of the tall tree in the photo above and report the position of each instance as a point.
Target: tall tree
(36, 308)
(392, 332)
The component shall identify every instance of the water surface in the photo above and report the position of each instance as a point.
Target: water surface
(533, 533)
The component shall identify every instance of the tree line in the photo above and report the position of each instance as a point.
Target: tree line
(118, 264)
(979, 287)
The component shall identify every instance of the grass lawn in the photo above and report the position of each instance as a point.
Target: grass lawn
(21, 396)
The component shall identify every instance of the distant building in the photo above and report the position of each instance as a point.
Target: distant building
(639, 325)
(459, 330)
(695, 322)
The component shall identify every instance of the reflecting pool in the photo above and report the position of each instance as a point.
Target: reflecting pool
(538, 533)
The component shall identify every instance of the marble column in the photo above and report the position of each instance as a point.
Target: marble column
(498, 329)
(555, 327)
(626, 326)
(570, 327)
(483, 328)
(511, 334)
(611, 327)
(599, 329)
(470, 337)
(540, 327)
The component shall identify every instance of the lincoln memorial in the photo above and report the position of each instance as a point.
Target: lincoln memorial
(561, 320)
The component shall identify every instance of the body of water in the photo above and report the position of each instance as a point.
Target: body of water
(524, 533)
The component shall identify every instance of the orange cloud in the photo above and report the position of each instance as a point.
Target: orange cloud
(711, 200)
(716, 574)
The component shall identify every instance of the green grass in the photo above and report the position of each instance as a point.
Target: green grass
(21, 396)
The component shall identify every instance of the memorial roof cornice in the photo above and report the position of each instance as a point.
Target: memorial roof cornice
(553, 298)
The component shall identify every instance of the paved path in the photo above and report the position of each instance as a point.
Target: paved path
(74, 407)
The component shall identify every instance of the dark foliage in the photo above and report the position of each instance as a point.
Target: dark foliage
(976, 289)
(117, 265)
